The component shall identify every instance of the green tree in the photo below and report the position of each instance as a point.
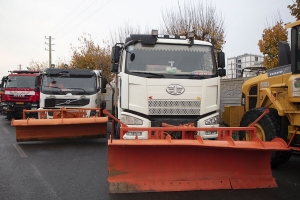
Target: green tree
(91, 56)
(204, 21)
(268, 45)
(295, 9)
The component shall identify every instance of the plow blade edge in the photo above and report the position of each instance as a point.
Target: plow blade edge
(182, 165)
(47, 129)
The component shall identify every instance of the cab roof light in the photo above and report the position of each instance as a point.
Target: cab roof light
(154, 33)
(191, 36)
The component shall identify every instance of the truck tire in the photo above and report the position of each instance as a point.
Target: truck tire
(267, 128)
(9, 116)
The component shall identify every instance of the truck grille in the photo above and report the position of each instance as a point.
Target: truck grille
(174, 107)
(24, 98)
(66, 102)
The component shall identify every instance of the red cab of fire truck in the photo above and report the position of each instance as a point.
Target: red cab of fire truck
(22, 91)
(2, 86)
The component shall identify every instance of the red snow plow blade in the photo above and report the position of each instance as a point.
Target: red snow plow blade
(164, 164)
(66, 123)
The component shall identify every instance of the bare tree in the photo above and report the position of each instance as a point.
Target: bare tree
(38, 66)
(202, 19)
(122, 32)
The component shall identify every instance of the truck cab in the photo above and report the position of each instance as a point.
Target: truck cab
(71, 88)
(2, 87)
(162, 79)
(21, 92)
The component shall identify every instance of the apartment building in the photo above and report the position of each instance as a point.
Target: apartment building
(235, 65)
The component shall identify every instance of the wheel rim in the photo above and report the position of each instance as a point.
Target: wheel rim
(260, 133)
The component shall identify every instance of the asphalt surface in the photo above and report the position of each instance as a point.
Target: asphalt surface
(77, 169)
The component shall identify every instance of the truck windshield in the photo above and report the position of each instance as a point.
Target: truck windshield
(171, 60)
(76, 85)
(20, 82)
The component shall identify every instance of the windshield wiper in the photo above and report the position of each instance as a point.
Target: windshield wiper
(55, 87)
(191, 76)
(153, 75)
(79, 89)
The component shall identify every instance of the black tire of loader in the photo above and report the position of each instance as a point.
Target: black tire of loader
(271, 126)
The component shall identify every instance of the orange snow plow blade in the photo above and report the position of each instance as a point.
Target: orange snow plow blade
(164, 164)
(66, 123)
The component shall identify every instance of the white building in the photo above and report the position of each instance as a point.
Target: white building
(235, 65)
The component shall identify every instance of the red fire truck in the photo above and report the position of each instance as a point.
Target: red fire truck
(22, 91)
(2, 86)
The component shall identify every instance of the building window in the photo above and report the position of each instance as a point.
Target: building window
(256, 58)
(239, 66)
(239, 61)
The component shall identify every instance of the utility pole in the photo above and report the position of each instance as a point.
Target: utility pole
(19, 66)
(50, 50)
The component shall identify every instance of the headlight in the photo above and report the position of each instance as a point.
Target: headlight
(211, 132)
(212, 120)
(129, 120)
(134, 133)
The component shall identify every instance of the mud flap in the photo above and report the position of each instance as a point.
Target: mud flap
(183, 165)
(48, 129)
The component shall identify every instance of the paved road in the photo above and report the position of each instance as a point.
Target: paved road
(77, 169)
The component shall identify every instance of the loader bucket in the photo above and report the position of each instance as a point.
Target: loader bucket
(59, 128)
(164, 164)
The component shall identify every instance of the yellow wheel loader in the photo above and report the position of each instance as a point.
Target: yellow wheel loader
(278, 90)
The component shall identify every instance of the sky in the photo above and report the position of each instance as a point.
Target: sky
(25, 25)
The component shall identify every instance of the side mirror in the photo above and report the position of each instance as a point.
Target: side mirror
(132, 57)
(221, 59)
(115, 54)
(103, 84)
(222, 72)
(36, 88)
(114, 68)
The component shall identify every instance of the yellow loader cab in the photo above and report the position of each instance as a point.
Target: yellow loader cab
(279, 91)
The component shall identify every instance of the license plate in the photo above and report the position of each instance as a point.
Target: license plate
(20, 103)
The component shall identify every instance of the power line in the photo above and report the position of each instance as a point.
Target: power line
(66, 17)
(85, 19)
(75, 18)
(38, 52)
(34, 50)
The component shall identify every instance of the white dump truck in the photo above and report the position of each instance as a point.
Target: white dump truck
(71, 88)
(165, 79)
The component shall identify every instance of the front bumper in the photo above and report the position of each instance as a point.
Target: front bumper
(147, 123)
